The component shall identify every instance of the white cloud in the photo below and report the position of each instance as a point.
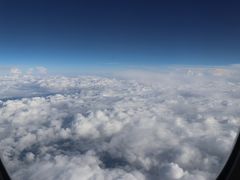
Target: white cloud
(177, 124)
(41, 70)
(15, 71)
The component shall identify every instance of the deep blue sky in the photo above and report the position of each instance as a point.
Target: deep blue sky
(72, 34)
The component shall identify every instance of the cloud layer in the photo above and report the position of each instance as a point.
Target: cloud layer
(176, 124)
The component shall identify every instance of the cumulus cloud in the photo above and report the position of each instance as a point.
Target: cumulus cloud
(15, 71)
(41, 70)
(173, 124)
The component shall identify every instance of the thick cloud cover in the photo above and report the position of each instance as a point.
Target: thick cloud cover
(174, 124)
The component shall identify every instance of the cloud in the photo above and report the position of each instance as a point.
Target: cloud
(15, 71)
(4, 70)
(173, 124)
(41, 70)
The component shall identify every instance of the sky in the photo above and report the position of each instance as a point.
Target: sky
(140, 122)
(72, 35)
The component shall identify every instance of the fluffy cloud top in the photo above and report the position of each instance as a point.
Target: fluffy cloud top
(177, 124)
(15, 71)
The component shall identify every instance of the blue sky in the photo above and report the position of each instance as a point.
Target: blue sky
(105, 34)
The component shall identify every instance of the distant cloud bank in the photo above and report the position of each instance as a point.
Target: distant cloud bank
(175, 124)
